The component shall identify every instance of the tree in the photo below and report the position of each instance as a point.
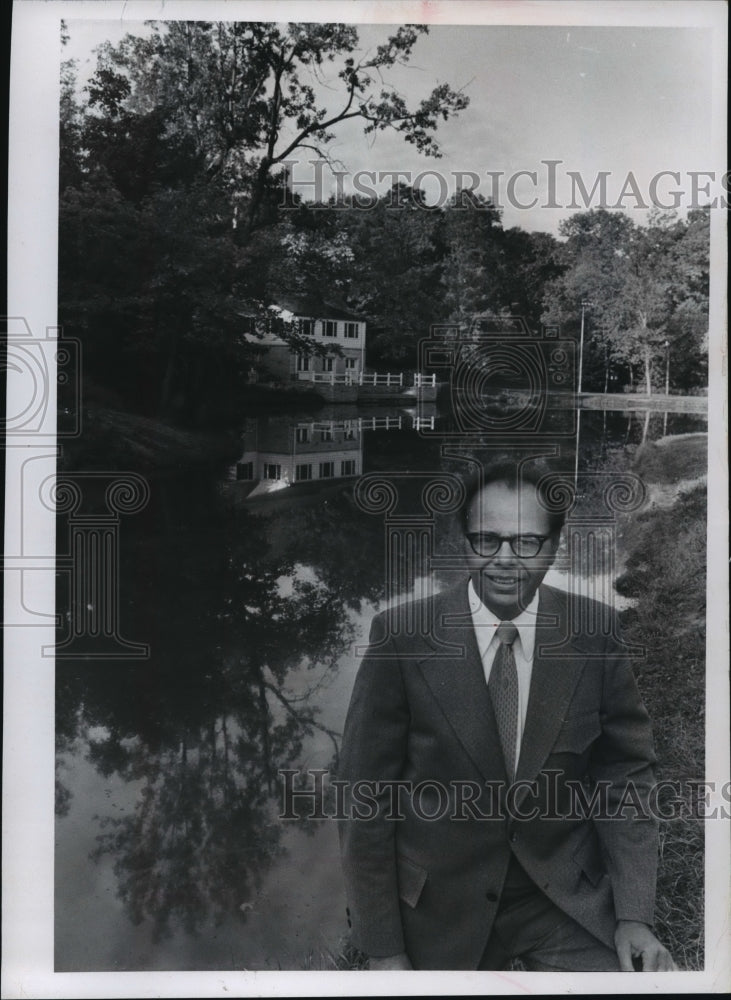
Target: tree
(687, 328)
(246, 94)
(174, 169)
(528, 261)
(399, 252)
(471, 276)
(155, 289)
(642, 286)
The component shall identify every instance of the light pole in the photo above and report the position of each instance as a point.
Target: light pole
(584, 306)
(578, 408)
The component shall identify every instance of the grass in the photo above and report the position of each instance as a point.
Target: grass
(668, 584)
(344, 958)
(672, 459)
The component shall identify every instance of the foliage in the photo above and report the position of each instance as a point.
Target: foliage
(471, 273)
(177, 225)
(399, 252)
(242, 94)
(173, 165)
(644, 291)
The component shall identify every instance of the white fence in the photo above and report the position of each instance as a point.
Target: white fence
(373, 379)
(352, 426)
(329, 378)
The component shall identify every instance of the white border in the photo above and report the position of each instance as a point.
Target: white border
(28, 745)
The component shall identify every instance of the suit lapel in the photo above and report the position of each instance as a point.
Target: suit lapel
(458, 684)
(553, 680)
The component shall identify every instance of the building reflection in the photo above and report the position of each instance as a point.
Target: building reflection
(280, 452)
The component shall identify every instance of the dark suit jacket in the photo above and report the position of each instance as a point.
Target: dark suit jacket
(420, 712)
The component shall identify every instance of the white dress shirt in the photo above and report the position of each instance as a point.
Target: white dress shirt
(485, 624)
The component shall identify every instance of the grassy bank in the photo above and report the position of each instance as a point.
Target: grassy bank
(666, 576)
(632, 401)
(673, 459)
(116, 436)
(118, 440)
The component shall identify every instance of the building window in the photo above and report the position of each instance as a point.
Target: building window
(349, 434)
(350, 364)
(329, 328)
(328, 364)
(303, 472)
(303, 363)
(302, 435)
(272, 471)
(351, 330)
(244, 470)
(306, 327)
(347, 467)
(327, 470)
(326, 434)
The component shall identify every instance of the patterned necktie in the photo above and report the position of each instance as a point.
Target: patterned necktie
(503, 688)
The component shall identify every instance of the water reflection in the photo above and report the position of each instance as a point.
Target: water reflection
(247, 618)
(280, 452)
(167, 781)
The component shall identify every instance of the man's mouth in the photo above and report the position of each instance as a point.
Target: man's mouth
(505, 581)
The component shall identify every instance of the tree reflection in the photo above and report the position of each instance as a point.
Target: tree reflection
(200, 835)
(243, 643)
(344, 547)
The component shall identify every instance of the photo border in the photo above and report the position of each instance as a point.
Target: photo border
(28, 787)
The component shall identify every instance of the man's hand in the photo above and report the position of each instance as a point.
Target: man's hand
(633, 939)
(394, 963)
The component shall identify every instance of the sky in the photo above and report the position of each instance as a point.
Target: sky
(615, 99)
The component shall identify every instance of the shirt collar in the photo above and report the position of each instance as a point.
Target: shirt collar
(525, 622)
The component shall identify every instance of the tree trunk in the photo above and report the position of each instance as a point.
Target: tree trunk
(648, 373)
(266, 744)
(257, 194)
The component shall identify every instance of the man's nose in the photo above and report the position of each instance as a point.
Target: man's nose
(505, 553)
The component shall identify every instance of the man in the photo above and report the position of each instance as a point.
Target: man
(471, 753)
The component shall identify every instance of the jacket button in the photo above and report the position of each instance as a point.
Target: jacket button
(492, 896)
(513, 837)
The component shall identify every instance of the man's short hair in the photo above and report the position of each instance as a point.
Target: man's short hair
(554, 495)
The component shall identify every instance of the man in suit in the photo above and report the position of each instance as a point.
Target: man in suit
(472, 749)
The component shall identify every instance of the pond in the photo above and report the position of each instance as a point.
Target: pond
(254, 590)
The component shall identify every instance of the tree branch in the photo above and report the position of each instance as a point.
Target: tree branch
(309, 721)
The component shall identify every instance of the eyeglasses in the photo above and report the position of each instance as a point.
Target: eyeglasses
(524, 546)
